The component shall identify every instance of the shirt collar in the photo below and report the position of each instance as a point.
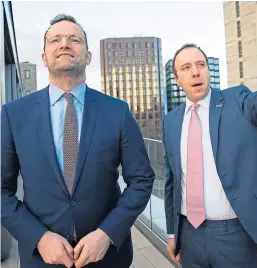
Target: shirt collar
(55, 93)
(205, 103)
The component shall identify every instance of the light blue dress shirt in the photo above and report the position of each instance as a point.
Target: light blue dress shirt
(57, 112)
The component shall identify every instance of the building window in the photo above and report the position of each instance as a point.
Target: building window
(241, 69)
(238, 29)
(27, 74)
(210, 60)
(109, 46)
(237, 9)
(240, 49)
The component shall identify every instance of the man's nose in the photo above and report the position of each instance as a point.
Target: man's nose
(195, 70)
(64, 42)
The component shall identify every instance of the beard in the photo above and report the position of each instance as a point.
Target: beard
(67, 68)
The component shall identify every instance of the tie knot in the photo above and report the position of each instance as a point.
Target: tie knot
(68, 97)
(195, 106)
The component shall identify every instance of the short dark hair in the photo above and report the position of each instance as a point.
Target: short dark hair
(182, 48)
(61, 17)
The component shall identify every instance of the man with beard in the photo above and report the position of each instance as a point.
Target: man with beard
(68, 141)
(211, 156)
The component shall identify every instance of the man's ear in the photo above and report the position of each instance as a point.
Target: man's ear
(88, 57)
(44, 59)
(177, 80)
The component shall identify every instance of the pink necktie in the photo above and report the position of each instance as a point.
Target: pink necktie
(194, 179)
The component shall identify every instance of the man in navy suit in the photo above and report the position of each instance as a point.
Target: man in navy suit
(67, 141)
(211, 160)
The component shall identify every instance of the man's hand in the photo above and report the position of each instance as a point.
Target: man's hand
(91, 248)
(171, 251)
(55, 249)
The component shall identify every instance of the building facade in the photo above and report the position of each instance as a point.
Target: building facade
(28, 77)
(10, 77)
(175, 94)
(131, 69)
(240, 19)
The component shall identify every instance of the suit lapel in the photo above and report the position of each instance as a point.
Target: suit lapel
(176, 135)
(46, 134)
(216, 106)
(88, 125)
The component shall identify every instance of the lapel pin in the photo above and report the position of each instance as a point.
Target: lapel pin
(218, 105)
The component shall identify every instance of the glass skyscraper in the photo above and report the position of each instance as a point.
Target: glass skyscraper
(131, 69)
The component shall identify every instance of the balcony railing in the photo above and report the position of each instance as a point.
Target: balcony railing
(154, 215)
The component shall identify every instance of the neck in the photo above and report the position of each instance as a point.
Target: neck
(65, 82)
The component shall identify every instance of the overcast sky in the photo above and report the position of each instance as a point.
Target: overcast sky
(175, 23)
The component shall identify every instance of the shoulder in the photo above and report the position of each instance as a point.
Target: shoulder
(25, 103)
(235, 91)
(105, 100)
(172, 114)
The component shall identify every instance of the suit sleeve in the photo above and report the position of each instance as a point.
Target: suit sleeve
(137, 174)
(168, 201)
(247, 101)
(16, 218)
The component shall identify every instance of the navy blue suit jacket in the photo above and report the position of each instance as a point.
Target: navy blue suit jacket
(110, 136)
(233, 132)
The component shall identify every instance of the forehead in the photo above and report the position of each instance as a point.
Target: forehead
(64, 28)
(190, 54)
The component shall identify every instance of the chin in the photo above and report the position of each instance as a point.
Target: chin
(65, 68)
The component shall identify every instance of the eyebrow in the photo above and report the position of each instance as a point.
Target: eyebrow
(188, 63)
(72, 34)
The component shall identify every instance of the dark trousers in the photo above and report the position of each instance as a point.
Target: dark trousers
(216, 244)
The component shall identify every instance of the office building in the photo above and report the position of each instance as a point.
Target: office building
(131, 69)
(10, 77)
(240, 19)
(29, 77)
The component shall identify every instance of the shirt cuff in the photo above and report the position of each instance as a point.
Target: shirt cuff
(171, 236)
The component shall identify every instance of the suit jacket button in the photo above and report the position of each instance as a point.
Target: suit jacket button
(177, 212)
(72, 203)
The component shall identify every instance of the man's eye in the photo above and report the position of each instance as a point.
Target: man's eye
(185, 68)
(75, 40)
(201, 64)
(53, 41)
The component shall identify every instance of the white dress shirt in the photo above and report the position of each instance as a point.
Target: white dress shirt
(217, 206)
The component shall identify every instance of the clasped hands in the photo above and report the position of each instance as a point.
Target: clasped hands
(55, 249)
